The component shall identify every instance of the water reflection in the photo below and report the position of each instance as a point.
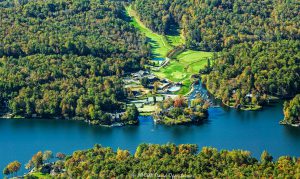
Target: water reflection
(293, 132)
(225, 129)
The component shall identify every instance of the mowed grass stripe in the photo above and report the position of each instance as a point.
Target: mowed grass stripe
(180, 69)
(159, 44)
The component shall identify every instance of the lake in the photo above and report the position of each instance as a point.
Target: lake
(226, 129)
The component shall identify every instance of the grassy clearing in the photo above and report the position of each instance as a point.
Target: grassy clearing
(160, 45)
(39, 175)
(169, 121)
(179, 69)
(185, 65)
(248, 107)
(147, 109)
(175, 40)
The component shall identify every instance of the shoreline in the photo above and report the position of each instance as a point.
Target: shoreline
(283, 122)
(255, 108)
(156, 121)
(116, 124)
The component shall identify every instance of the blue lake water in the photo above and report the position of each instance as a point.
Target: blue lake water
(225, 129)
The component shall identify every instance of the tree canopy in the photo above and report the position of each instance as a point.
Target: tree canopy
(291, 111)
(248, 72)
(12, 168)
(162, 160)
(212, 25)
(65, 58)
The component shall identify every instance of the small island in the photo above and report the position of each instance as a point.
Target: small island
(291, 112)
(179, 111)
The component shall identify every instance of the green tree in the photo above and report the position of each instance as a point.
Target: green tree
(47, 155)
(144, 81)
(266, 157)
(29, 165)
(6, 171)
(37, 160)
(131, 115)
(291, 111)
(156, 86)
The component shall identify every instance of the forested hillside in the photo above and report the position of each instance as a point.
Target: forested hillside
(156, 161)
(212, 25)
(258, 43)
(64, 58)
(248, 72)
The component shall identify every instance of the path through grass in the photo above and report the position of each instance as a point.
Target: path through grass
(183, 66)
(160, 44)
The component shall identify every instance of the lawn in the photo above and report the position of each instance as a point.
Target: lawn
(160, 44)
(175, 40)
(39, 175)
(185, 65)
(147, 109)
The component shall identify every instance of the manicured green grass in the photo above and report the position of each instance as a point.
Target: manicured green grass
(39, 175)
(185, 65)
(147, 109)
(179, 69)
(160, 45)
(194, 60)
(175, 40)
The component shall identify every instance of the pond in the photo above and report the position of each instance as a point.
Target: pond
(174, 88)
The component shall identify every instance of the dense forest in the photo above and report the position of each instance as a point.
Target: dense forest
(248, 72)
(156, 161)
(257, 41)
(291, 111)
(212, 25)
(65, 58)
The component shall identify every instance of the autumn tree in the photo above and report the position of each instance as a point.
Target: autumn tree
(37, 160)
(47, 155)
(60, 156)
(12, 168)
(179, 101)
(291, 110)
